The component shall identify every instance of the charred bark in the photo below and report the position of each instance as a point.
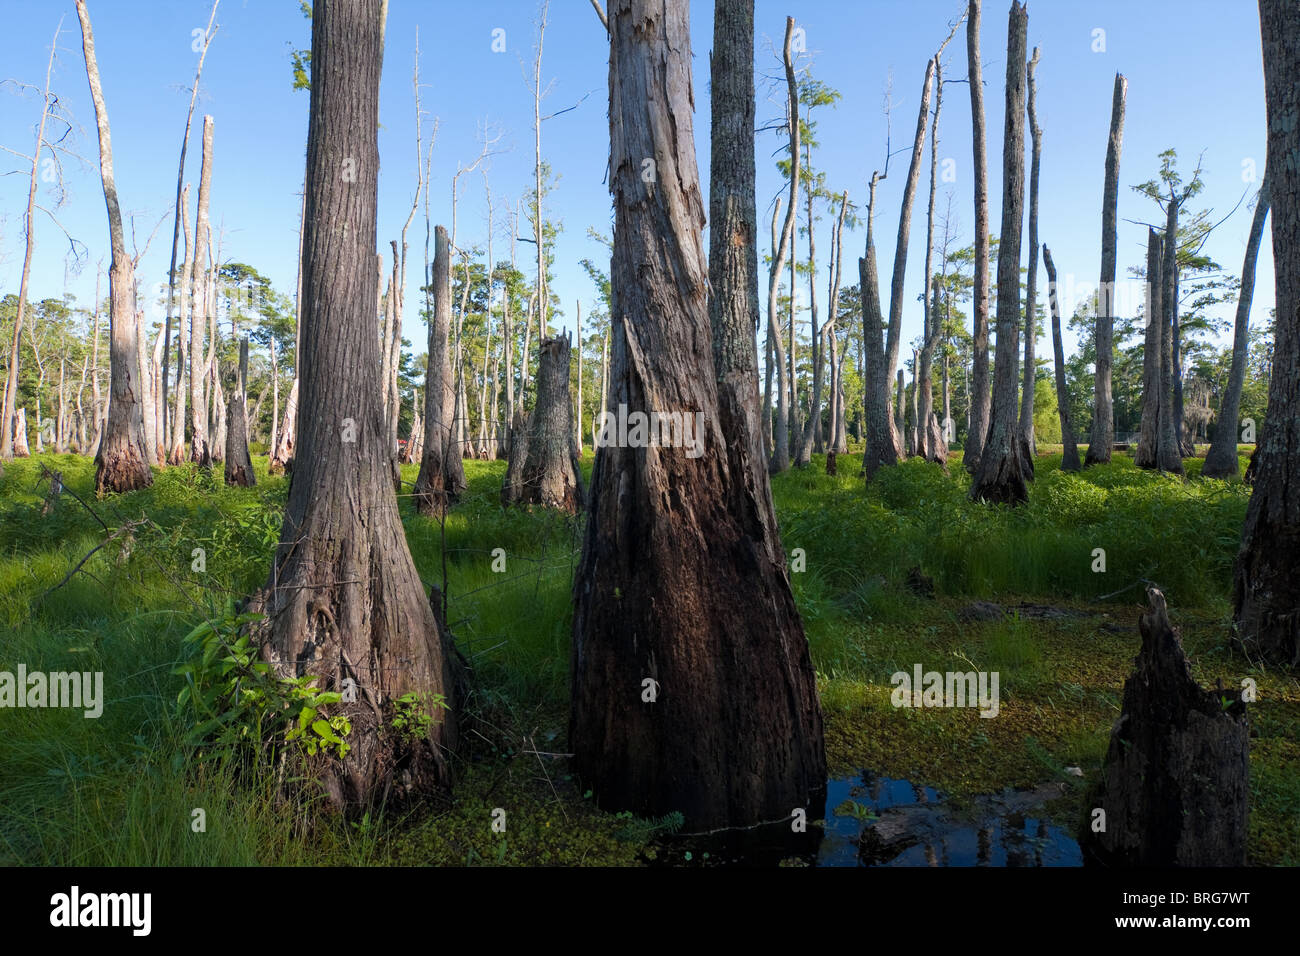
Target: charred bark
(1176, 784)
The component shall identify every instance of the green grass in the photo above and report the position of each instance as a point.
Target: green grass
(120, 790)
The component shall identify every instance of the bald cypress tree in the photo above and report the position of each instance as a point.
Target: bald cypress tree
(344, 600)
(1266, 588)
(693, 690)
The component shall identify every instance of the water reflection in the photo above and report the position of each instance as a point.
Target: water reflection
(873, 820)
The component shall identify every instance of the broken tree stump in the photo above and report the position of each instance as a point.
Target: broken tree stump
(1176, 778)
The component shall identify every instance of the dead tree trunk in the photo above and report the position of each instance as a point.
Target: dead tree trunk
(549, 476)
(200, 443)
(674, 718)
(912, 418)
(836, 410)
(171, 426)
(512, 488)
(1168, 454)
(980, 399)
(176, 448)
(442, 474)
(1266, 589)
(48, 102)
(1004, 469)
(21, 448)
(783, 247)
(1102, 436)
(282, 452)
(1221, 459)
(239, 466)
(930, 439)
(344, 599)
(1147, 454)
(1031, 280)
(122, 462)
(1176, 785)
(900, 409)
(894, 334)
(1070, 459)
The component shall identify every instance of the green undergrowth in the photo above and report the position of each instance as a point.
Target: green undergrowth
(119, 789)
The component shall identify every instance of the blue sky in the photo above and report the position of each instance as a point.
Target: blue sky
(1193, 66)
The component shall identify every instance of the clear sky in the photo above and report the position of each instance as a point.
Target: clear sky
(1193, 66)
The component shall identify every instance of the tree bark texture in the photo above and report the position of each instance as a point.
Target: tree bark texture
(1176, 784)
(344, 599)
(550, 477)
(675, 588)
(1004, 467)
(1266, 588)
(442, 473)
(122, 462)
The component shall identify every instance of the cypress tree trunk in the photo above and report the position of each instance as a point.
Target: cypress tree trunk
(1168, 455)
(915, 430)
(900, 410)
(1147, 455)
(1266, 588)
(122, 462)
(550, 477)
(1031, 279)
(929, 434)
(728, 729)
(784, 246)
(239, 466)
(200, 448)
(344, 599)
(282, 450)
(1221, 459)
(513, 487)
(934, 444)
(894, 334)
(21, 448)
(442, 474)
(1103, 424)
(980, 400)
(1004, 467)
(881, 448)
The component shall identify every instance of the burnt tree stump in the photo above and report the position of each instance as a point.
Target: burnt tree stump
(1176, 779)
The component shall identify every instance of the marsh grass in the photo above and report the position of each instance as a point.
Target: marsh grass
(118, 789)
